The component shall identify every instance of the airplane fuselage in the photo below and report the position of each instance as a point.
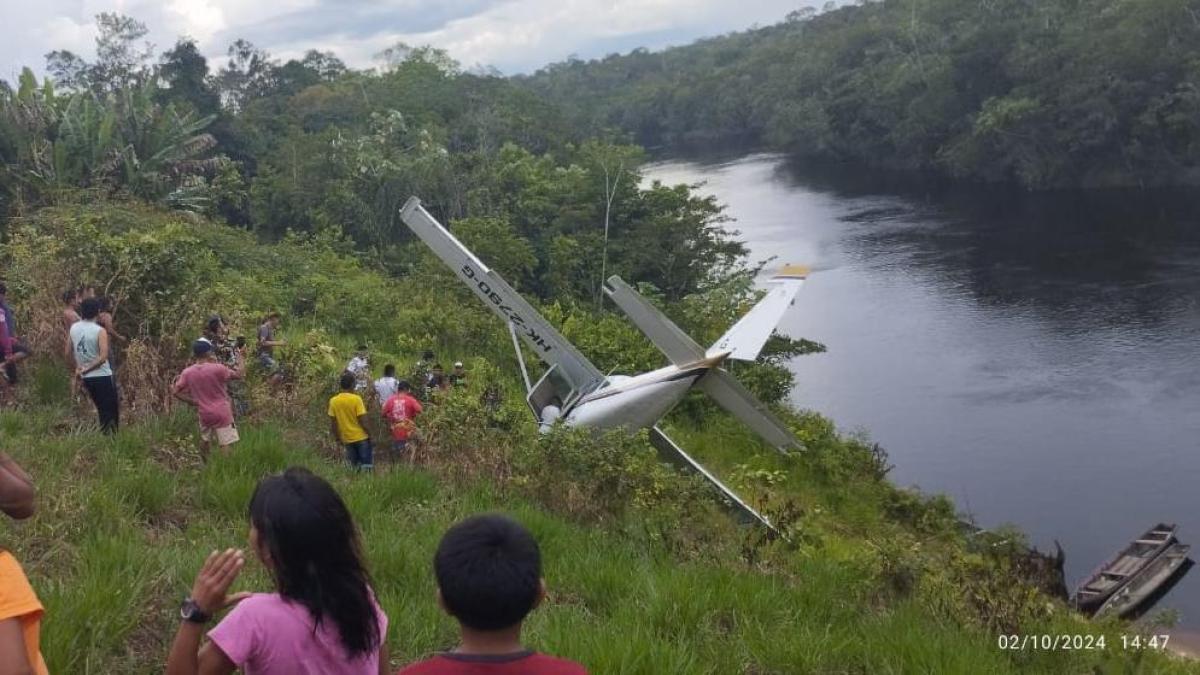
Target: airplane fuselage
(609, 402)
(639, 401)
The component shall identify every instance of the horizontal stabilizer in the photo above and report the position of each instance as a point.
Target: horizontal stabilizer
(740, 403)
(746, 338)
(665, 335)
(670, 452)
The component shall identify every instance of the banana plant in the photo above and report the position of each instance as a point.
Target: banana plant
(117, 142)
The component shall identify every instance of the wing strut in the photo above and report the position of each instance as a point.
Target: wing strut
(512, 330)
(671, 452)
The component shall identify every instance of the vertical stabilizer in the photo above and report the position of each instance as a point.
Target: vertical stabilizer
(746, 338)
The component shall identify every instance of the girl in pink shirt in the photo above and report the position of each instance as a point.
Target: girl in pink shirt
(321, 619)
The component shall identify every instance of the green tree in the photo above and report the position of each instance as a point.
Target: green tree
(924, 85)
(496, 242)
(184, 72)
(118, 141)
(121, 62)
(250, 72)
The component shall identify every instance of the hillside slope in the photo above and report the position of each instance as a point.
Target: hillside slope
(648, 575)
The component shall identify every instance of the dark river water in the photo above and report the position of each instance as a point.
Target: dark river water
(1036, 358)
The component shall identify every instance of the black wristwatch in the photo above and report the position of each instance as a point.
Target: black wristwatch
(191, 612)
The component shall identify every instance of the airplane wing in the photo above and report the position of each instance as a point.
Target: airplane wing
(671, 452)
(499, 297)
(746, 338)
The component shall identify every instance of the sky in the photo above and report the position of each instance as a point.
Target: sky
(515, 36)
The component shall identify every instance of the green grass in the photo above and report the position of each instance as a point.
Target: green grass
(646, 574)
(124, 524)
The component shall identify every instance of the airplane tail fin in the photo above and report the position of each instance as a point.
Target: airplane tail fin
(746, 338)
(683, 351)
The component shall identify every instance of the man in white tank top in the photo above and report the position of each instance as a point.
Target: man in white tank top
(89, 344)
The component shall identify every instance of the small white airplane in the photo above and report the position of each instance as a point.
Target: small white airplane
(586, 397)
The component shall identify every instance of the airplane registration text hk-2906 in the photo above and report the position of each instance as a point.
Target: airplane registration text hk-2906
(486, 289)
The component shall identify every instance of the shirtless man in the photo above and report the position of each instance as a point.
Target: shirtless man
(70, 312)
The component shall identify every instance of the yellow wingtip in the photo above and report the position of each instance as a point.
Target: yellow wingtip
(792, 272)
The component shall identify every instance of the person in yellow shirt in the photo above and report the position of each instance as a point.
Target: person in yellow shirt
(347, 422)
(20, 611)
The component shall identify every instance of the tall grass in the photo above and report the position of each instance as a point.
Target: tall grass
(125, 523)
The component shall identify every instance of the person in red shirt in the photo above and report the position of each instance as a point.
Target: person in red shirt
(203, 384)
(489, 577)
(400, 411)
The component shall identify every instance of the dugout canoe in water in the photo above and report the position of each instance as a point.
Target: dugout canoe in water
(1116, 573)
(1154, 577)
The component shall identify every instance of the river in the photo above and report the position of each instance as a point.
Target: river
(1034, 357)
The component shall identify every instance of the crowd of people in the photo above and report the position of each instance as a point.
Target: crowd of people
(398, 402)
(322, 615)
(215, 382)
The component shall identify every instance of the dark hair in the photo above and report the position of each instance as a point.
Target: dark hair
(389, 370)
(70, 295)
(214, 322)
(316, 555)
(3, 289)
(272, 315)
(347, 381)
(437, 366)
(427, 355)
(106, 303)
(362, 348)
(201, 347)
(90, 308)
(403, 385)
(489, 570)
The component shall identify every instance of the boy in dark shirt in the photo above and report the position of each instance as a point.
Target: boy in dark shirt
(489, 576)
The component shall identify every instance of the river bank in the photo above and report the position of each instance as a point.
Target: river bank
(648, 575)
(1031, 359)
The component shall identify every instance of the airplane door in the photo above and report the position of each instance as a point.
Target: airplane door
(550, 385)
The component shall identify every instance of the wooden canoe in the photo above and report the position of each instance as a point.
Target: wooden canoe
(1116, 573)
(1144, 584)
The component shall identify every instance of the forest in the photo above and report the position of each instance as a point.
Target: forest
(1041, 93)
(309, 145)
(182, 188)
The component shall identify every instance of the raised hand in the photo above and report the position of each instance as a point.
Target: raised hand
(210, 591)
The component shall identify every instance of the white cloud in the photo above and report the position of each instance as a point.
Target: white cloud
(525, 35)
(514, 35)
(200, 19)
(63, 32)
